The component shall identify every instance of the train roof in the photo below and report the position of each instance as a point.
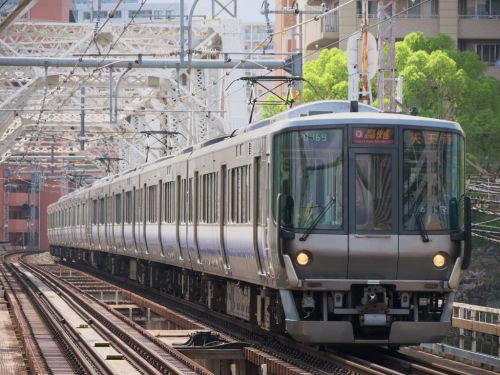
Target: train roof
(326, 112)
(309, 109)
(360, 118)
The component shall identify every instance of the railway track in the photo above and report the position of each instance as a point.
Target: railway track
(90, 339)
(41, 343)
(279, 353)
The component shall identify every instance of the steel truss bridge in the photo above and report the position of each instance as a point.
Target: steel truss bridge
(72, 98)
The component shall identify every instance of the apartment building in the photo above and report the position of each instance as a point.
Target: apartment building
(90, 10)
(25, 192)
(24, 197)
(473, 24)
(50, 10)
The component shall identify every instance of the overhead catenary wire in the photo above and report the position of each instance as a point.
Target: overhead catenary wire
(72, 72)
(205, 88)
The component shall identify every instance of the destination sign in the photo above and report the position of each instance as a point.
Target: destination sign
(419, 137)
(373, 136)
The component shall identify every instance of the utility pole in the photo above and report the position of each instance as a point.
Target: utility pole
(386, 55)
(362, 61)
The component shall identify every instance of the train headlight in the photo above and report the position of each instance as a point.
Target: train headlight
(303, 258)
(440, 260)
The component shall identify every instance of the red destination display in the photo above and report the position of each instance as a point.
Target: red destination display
(373, 136)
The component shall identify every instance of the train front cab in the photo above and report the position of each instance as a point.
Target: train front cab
(371, 229)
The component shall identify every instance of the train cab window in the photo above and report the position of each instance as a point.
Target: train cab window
(433, 175)
(373, 181)
(308, 173)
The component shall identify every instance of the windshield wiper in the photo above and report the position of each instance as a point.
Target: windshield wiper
(420, 225)
(317, 219)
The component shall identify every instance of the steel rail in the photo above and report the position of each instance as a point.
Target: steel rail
(266, 347)
(56, 325)
(100, 318)
(130, 354)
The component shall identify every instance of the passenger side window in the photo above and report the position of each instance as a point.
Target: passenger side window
(209, 198)
(152, 203)
(169, 202)
(240, 194)
(118, 208)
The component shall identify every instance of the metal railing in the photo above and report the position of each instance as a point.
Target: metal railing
(480, 16)
(330, 23)
(475, 324)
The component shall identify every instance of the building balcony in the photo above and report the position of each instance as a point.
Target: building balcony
(479, 27)
(323, 32)
(18, 199)
(408, 23)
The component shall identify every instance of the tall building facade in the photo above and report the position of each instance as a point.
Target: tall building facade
(24, 196)
(48, 10)
(25, 192)
(474, 25)
(91, 10)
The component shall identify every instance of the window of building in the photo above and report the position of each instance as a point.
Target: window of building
(372, 8)
(422, 8)
(86, 15)
(99, 14)
(140, 14)
(489, 53)
(481, 8)
(116, 14)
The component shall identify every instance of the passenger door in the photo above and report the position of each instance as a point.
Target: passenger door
(373, 232)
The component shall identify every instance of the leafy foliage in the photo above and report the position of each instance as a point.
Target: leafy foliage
(439, 80)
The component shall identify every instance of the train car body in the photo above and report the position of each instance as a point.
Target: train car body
(334, 226)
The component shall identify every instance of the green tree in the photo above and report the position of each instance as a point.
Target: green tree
(327, 76)
(433, 83)
(439, 80)
(270, 110)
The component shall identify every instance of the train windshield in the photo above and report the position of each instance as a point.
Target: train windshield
(308, 174)
(433, 175)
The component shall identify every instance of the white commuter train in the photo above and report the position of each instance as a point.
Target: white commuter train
(331, 221)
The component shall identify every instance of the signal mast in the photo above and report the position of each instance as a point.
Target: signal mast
(386, 55)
